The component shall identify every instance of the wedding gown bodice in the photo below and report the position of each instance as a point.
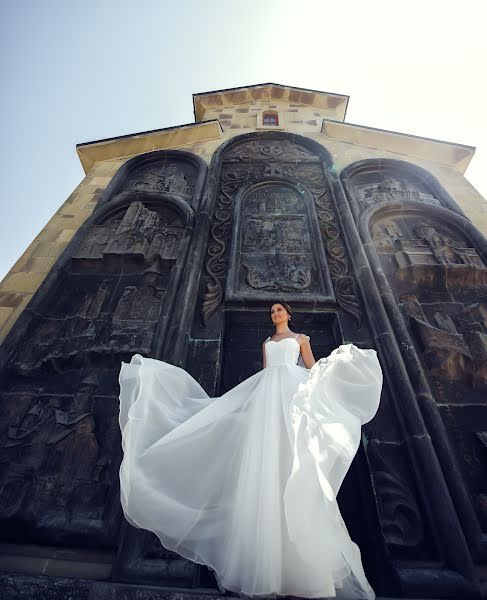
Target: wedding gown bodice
(282, 352)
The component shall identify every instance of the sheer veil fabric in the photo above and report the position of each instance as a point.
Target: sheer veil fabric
(246, 483)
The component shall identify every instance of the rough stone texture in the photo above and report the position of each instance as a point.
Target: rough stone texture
(434, 283)
(44, 588)
(110, 296)
(307, 119)
(161, 261)
(52, 240)
(31, 269)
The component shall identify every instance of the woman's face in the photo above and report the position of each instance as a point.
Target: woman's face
(279, 314)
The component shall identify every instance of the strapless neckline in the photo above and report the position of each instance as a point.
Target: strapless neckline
(286, 338)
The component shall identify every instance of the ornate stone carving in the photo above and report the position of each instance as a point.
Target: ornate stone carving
(345, 285)
(392, 190)
(421, 243)
(454, 343)
(89, 328)
(274, 247)
(217, 262)
(283, 150)
(114, 294)
(400, 515)
(444, 249)
(310, 175)
(107, 299)
(53, 445)
(255, 159)
(440, 283)
(157, 177)
(296, 280)
(141, 233)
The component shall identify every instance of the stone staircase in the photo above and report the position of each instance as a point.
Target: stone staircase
(27, 587)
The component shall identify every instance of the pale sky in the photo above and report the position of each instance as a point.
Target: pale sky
(81, 70)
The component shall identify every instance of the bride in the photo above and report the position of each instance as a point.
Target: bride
(246, 483)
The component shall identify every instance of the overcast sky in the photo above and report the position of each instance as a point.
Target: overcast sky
(81, 70)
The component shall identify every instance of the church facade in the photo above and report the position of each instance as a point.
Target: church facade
(174, 246)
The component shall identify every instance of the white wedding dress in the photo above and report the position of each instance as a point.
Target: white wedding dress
(246, 483)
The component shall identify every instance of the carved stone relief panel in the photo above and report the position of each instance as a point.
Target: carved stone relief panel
(267, 149)
(252, 161)
(113, 291)
(167, 175)
(275, 247)
(401, 515)
(373, 187)
(439, 280)
(58, 466)
(137, 231)
(59, 435)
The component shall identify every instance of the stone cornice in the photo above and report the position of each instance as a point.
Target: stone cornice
(91, 153)
(447, 153)
(269, 91)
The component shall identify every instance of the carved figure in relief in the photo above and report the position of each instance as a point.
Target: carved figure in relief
(69, 337)
(246, 162)
(141, 232)
(73, 437)
(29, 431)
(454, 343)
(93, 304)
(141, 302)
(169, 178)
(133, 235)
(420, 243)
(276, 246)
(36, 436)
(255, 454)
(445, 249)
(445, 322)
(386, 233)
(442, 247)
(55, 462)
(91, 329)
(392, 190)
(94, 243)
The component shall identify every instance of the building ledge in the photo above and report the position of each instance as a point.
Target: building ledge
(268, 92)
(91, 153)
(447, 153)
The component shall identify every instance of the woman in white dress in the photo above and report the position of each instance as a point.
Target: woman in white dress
(246, 483)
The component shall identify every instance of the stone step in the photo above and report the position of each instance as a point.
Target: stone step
(23, 587)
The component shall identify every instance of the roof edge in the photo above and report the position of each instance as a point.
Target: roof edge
(125, 146)
(424, 148)
(341, 100)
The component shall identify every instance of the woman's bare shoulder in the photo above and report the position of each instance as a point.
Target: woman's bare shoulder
(303, 338)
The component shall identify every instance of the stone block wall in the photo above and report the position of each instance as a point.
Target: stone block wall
(296, 117)
(25, 277)
(30, 270)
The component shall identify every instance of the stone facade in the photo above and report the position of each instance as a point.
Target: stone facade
(234, 119)
(176, 253)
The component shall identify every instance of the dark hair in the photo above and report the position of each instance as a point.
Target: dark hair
(285, 304)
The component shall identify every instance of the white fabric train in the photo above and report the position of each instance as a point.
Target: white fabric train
(246, 483)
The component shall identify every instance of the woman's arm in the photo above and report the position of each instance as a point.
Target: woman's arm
(306, 352)
(263, 355)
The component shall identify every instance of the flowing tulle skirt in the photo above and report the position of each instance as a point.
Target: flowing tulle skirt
(246, 483)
